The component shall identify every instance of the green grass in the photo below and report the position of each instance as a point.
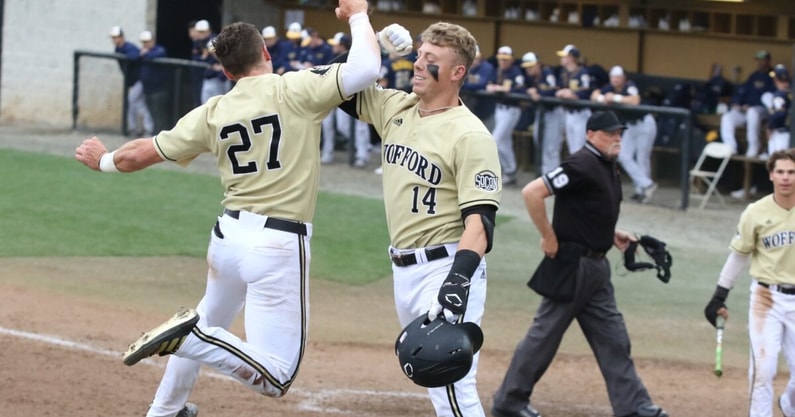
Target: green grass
(63, 209)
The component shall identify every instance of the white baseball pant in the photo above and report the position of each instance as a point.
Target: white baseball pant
(212, 87)
(136, 107)
(636, 147)
(575, 121)
(552, 137)
(505, 119)
(752, 118)
(778, 141)
(267, 272)
(339, 121)
(415, 286)
(771, 326)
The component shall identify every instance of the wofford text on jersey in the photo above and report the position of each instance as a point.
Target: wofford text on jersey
(779, 239)
(413, 161)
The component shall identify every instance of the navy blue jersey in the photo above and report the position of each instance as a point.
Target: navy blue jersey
(578, 81)
(282, 52)
(515, 76)
(316, 55)
(154, 77)
(778, 117)
(750, 93)
(477, 79)
(398, 73)
(133, 66)
(546, 83)
(629, 89)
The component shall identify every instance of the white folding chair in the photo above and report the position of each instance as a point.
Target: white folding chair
(713, 151)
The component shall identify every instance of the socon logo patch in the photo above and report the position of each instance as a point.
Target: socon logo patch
(486, 181)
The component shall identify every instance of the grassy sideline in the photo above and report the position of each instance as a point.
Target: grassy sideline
(62, 209)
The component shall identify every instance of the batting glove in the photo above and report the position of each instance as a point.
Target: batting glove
(717, 302)
(452, 298)
(395, 39)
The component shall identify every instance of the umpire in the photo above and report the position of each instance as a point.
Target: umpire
(588, 195)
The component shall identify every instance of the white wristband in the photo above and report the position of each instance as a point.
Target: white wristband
(106, 162)
(600, 98)
(618, 98)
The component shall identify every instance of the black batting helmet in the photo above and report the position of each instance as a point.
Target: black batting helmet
(437, 353)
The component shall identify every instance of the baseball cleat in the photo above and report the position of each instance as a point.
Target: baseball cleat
(525, 412)
(164, 339)
(190, 410)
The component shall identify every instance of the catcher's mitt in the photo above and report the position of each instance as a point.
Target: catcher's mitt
(656, 250)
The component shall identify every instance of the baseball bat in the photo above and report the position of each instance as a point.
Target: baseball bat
(719, 322)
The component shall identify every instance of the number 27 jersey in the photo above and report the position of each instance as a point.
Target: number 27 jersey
(265, 136)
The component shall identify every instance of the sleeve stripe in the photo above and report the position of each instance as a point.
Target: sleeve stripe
(160, 151)
(339, 83)
(489, 201)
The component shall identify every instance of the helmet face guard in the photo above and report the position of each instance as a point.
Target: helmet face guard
(437, 353)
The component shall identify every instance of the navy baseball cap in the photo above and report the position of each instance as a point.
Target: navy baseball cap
(604, 120)
(569, 50)
(780, 73)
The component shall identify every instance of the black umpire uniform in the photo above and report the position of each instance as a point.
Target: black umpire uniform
(587, 189)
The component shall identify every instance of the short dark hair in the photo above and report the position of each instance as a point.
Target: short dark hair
(239, 48)
(779, 155)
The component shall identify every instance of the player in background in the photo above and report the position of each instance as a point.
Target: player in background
(265, 136)
(765, 239)
(155, 80)
(587, 194)
(441, 182)
(294, 35)
(778, 104)
(136, 104)
(279, 49)
(478, 78)
(638, 139)
(542, 82)
(575, 84)
(339, 121)
(508, 78)
(747, 108)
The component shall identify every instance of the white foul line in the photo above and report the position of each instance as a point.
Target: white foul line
(311, 401)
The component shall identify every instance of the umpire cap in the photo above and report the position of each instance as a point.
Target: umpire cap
(437, 353)
(604, 120)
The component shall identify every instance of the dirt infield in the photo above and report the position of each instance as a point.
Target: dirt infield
(62, 345)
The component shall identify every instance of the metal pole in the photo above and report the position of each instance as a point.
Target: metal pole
(125, 65)
(538, 155)
(75, 88)
(684, 168)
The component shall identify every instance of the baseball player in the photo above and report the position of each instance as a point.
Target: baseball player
(638, 139)
(339, 121)
(765, 238)
(136, 105)
(278, 48)
(508, 78)
(441, 176)
(746, 106)
(265, 136)
(778, 104)
(587, 190)
(575, 84)
(542, 82)
(478, 78)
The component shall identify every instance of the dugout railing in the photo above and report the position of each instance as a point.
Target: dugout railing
(180, 74)
(681, 117)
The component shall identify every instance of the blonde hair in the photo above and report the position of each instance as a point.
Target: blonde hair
(454, 37)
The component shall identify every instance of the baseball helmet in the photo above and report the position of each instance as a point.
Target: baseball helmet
(437, 353)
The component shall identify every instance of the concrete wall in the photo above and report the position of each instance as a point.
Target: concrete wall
(39, 38)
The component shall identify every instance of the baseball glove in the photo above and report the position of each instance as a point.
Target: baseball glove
(655, 248)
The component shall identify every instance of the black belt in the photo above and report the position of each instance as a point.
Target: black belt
(409, 259)
(594, 254)
(779, 288)
(288, 226)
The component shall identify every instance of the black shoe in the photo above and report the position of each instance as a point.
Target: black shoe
(525, 412)
(649, 411)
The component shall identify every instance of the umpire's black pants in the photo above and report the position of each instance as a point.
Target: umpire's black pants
(594, 307)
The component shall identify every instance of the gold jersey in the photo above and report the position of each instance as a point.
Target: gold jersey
(265, 135)
(767, 233)
(433, 166)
